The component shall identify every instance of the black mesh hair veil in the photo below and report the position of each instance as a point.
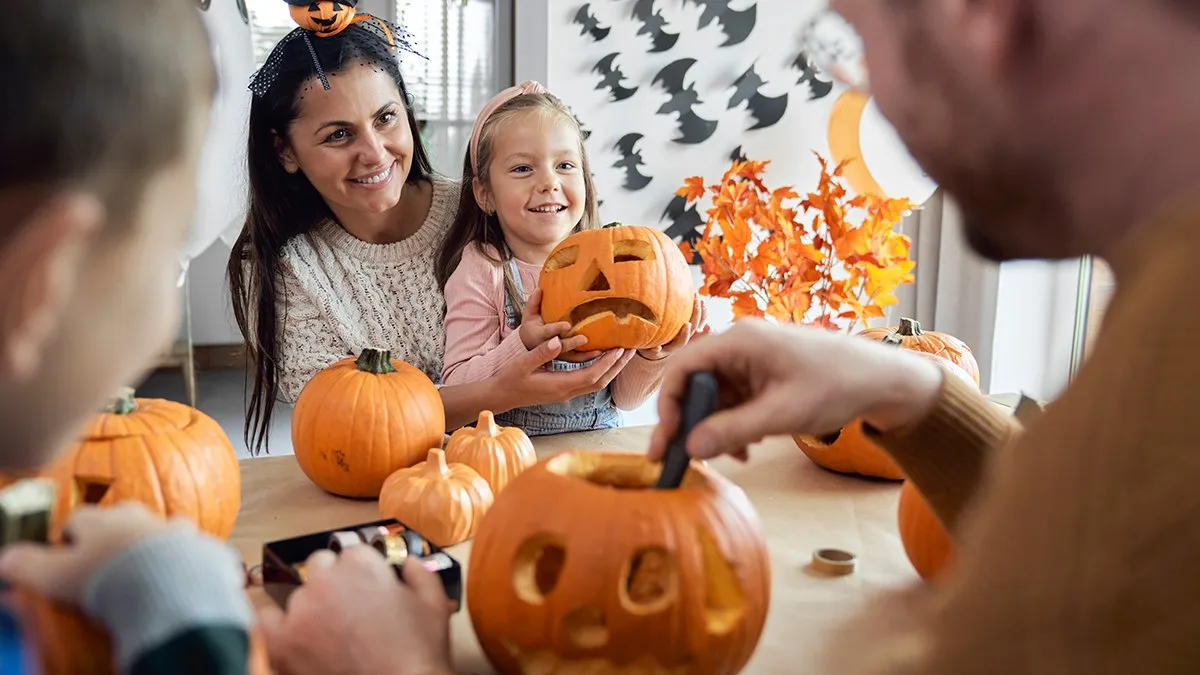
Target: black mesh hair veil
(373, 35)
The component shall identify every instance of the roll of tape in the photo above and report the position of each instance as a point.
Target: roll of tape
(834, 561)
(340, 541)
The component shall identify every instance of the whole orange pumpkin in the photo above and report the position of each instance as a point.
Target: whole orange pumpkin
(443, 502)
(325, 17)
(910, 336)
(69, 643)
(359, 420)
(623, 286)
(581, 566)
(926, 542)
(498, 453)
(172, 458)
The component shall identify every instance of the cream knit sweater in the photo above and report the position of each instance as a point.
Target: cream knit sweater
(341, 295)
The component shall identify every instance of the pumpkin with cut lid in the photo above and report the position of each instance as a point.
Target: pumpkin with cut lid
(582, 566)
(172, 458)
(622, 286)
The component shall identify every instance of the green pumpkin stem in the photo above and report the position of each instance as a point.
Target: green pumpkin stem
(614, 223)
(123, 404)
(375, 361)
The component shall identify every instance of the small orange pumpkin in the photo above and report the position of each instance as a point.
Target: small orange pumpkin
(68, 643)
(325, 17)
(926, 543)
(909, 335)
(625, 286)
(497, 453)
(443, 502)
(172, 458)
(582, 566)
(359, 420)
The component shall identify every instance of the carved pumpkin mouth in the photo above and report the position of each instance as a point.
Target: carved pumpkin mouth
(623, 310)
(326, 23)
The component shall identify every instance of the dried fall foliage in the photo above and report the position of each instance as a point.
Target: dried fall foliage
(829, 260)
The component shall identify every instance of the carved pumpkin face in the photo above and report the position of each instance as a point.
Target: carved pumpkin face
(325, 17)
(618, 576)
(623, 286)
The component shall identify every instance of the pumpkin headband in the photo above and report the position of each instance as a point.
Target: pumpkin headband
(526, 87)
(326, 19)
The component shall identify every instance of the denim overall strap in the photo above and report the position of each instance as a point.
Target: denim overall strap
(582, 413)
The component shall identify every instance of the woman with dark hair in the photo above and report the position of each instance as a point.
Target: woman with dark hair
(345, 220)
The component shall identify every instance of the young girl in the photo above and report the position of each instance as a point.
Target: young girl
(526, 187)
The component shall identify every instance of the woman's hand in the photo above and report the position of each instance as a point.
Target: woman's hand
(696, 327)
(793, 380)
(353, 616)
(535, 331)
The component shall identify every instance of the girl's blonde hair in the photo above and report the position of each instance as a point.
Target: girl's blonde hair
(472, 224)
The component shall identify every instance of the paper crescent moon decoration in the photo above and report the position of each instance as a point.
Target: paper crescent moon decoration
(883, 166)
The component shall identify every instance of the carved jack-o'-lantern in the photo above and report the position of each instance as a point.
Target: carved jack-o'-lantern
(621, 286)
(618, 576)
(325, 17)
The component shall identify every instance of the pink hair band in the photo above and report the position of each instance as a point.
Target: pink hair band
(526, 87)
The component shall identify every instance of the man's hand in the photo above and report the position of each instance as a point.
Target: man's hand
(789, 380)
(352, 616)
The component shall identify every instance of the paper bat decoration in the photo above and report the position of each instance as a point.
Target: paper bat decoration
(737, 155)
(767, 110)
(612, 78)
(817, 88)
(735, 23)
(630, 161)
(684, 222)
(692, 128)
(652, 25)
(590, 24)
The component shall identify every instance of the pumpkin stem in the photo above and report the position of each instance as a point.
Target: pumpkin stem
(123, 404)
(487, 424)
(614, 223)
(436, 463)
(907, 328)
(376, 361)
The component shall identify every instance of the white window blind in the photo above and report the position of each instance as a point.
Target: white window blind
(459, 39)
(269, 22)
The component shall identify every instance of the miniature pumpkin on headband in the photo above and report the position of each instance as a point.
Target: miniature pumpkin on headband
(325, 17)
(582, 566)
(624, 286)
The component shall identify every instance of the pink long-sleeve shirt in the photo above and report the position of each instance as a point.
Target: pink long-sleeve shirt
(479, 341)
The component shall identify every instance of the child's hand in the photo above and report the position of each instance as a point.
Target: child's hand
(695, 328)
(534, 331)
(96, 536)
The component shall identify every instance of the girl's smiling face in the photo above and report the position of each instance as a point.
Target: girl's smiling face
(535, 182)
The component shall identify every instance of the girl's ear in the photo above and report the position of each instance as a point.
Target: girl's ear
(287, 157)
(482, 198)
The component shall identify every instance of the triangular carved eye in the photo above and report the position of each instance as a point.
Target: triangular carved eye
(562, 258)
(314, 7)
(337, 6)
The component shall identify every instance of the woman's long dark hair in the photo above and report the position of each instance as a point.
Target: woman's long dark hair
(471, 225)
(284, 205)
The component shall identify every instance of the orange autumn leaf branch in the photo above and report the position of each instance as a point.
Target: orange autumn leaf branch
(827, 259)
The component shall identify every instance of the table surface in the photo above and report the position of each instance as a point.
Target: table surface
(802, 508)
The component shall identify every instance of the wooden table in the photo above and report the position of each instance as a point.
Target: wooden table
(802, 507)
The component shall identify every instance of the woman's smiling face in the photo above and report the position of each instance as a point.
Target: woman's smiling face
(352, 141)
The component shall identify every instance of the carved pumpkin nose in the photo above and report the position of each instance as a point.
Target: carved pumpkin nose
(595, 280)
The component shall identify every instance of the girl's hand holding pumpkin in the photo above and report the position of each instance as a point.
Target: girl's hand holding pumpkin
(534, 331)
(696, 327)
(792, 380)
